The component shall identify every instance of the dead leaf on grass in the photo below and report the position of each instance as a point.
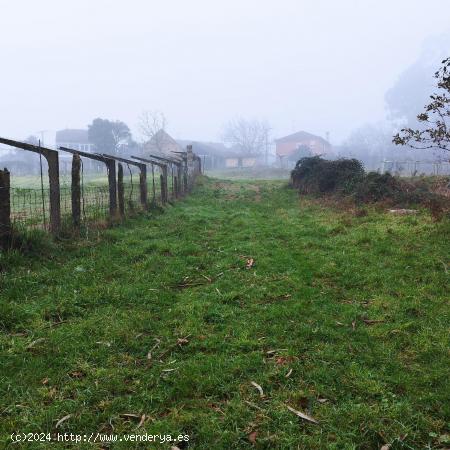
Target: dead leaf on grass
(260, 389)
(130, 416)
(252, 437)
(302, 415)
(34, 343)
(77, 374)
(250, 263)
(141, 422)
(61, 421)
(372, 322)
(182, 341)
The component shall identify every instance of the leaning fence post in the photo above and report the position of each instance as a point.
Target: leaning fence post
(121, 190)
(5, 209)
(76, 190)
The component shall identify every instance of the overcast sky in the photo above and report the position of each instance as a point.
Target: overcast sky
(313, 65)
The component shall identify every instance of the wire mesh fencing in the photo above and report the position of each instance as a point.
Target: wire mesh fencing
(30, 207)
(99, 188)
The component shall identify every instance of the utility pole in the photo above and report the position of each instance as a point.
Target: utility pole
(42, 132)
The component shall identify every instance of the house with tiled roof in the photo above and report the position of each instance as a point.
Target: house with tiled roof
(289, 147)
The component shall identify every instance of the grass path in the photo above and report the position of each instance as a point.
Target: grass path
(341, 317)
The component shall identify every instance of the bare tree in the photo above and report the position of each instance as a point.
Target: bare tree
(152, 124)
(249, 136)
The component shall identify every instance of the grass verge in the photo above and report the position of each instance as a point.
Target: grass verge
(162, 326)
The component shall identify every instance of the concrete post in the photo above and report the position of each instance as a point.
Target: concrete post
(5, 209)
(55, 199)
(121, 190)
(143, 186)
(111, 165)
(76, 191)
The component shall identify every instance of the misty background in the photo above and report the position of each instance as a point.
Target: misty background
(355, 70)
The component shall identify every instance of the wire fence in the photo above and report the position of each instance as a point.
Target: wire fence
(410, 168)
(53, 200)
(30, 207)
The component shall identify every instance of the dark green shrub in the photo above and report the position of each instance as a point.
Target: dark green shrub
(315, 175)
(375, 187)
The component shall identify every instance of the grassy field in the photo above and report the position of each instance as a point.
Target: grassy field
(213, 318)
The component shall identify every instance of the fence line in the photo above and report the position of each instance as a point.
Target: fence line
(413, 168)
(63, 205)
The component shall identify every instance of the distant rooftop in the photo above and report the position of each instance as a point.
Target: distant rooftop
(301, 135)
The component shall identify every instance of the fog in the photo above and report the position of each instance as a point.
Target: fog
(315, 65)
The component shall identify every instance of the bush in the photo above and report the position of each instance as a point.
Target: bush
(375, 187)
(314, 175)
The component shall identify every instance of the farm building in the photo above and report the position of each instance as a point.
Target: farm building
(162, 144)
(73, 138)
(290, 148)
(216, 156)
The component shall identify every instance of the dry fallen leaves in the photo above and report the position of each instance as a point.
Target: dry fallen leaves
(61, 421)
(302, 415)
(250, 263)
(77, 374)
(252, 437)
(260, 390)
(182, 341)
(372, 322)
(34, 343)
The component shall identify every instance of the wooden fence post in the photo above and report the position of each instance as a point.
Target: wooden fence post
(163, 197)
(185, 177)
(121, 190)
(164, 185)
(175, 186)
(76, 191)
(111, 165)
(55, 199)
(5, 209)
(143, 186)
(180, 179)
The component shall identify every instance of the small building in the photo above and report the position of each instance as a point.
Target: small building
(290, 148)
(242, 161)
(216, 156)
(75, 139)
(162, 144)
(212, 154)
